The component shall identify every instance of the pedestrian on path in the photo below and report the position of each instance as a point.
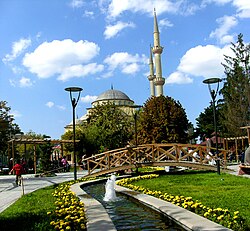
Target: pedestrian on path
(18, 168)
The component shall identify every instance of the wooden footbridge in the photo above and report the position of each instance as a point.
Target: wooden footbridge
(185, 155)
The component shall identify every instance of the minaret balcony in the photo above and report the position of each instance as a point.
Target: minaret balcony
(151, 77)
(159, 81)
(157, 49)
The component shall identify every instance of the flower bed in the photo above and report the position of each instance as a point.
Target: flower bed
(69, 213)
(231, 220)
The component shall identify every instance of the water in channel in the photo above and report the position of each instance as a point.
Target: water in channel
(128, 214)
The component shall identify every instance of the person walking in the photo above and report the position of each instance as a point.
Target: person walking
(18, 168)
(64, 164)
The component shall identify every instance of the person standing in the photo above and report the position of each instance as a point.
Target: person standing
(64, 163)
(18, 168)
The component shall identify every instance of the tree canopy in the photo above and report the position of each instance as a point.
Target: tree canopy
(205, 122)
(108, 127)
(233, 107)
(162, 119)
(7, 126)
(236, 89)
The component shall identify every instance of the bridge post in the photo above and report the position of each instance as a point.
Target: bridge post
(108, 159)
(88, 166)
(177, 153)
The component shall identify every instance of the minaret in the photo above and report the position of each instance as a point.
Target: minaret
(157, 50)
(151, 76)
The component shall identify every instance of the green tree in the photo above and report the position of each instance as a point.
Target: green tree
(162, 119)
(45, 151)
(236, 89)
(7, 129)
(108, 127)
(80, 146)
(205, 123)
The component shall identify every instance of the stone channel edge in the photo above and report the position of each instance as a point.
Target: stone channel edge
(98, 218)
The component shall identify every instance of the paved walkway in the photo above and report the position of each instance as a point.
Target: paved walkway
(9, 192)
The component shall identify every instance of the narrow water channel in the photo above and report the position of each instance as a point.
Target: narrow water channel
(128, 214)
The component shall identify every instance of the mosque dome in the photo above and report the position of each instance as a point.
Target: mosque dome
(115, 96)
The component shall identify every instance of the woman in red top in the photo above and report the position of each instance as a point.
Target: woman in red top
(18, 168)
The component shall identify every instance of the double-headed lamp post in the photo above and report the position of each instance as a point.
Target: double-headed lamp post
(74, 102)
(135, 111)
(213, 94)
(135, 120)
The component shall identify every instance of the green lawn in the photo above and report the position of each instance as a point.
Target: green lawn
(29, 212)
(213, 190)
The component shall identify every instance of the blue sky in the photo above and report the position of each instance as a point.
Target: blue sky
(48, 45)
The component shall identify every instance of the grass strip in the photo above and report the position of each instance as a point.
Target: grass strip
(30, 211)
(216, 191)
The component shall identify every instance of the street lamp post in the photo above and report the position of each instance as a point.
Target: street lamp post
(213, 94)
(74, 102)
(135, 123)
(135, 120)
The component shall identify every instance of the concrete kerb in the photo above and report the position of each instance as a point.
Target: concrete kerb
(186, 219)
(98, 219)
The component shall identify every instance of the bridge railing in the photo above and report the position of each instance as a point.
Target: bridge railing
(151, 153)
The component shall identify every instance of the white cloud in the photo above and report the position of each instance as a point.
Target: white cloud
(203, 61)
(218, 2)
(16, 69)
(50, 104)
(117, 7)
(200, 61)
(17, 48)
(188, 8)
(165, 23)
(60, 57)
(62, 108)
(131, 68)
(12, 82)
(88, 14)
(22, 82)
(88, 98)
(225, 24)
(113, 30)
(25, 82)
(243, 8)
(127, 63)
(106, 75)
(178, 78)
(77, 3)
(80, 71)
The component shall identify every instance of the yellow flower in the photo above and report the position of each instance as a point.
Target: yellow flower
(206, 214)
(220, 217)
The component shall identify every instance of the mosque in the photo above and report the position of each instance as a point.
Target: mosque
(120, 99)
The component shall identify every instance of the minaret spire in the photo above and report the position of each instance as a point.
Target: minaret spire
(156, 31)
(159, 81)
(151, 75)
